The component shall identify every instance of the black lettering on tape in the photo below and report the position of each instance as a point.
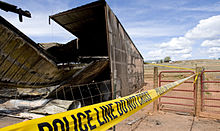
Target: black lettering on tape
(141, 96)
(43, 125)
(135, 100)
(106, 113)
(80, 122)
(149, 97)
(97, 113)
(112, 111)
(138, 99)
(123, 106)
(145, 97)
(133, 103)
(66, 123)
(118, 108)
(103, 114)
(75, 122)
(109, 112)
(128, 104)
(58, 121)
(89, 119)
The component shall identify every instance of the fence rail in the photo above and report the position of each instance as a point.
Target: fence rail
(210, 97)
(177, 100)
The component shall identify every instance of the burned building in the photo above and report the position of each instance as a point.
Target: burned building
(101, 64)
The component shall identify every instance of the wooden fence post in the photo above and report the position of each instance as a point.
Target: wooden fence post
(198, 106)
(156, 103)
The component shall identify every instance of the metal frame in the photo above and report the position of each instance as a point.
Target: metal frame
(178, 90)
(203, 90)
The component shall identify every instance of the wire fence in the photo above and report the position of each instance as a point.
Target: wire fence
(51, 100)
(87, 94)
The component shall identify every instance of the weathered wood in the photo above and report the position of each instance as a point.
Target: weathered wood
(22, 60)
(8, 50)
(16, 68)
(10, 70)
(198, 107)
(156, 102)
(6, 36)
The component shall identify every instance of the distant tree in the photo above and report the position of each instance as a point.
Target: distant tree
(167, 59)
(161, 61)
(218, 58)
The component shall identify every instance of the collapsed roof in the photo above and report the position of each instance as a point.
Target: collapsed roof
(103, 52)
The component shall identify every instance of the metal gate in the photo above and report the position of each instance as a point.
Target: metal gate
(210, 87)
(180, 99)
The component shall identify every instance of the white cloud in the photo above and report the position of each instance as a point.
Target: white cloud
(186, 56)
(156, 54)
(207, 32)
(211, 43)
(176, 43)
(177, 48)
(214, 50)
(206, 29)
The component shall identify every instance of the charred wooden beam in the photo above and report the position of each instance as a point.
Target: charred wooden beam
(12, 8)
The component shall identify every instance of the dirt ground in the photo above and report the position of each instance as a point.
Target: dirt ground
(166, 121)
(6, 121)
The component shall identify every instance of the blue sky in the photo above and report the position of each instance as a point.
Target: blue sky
(186, 29)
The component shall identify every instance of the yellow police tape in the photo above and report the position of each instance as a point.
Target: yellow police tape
(197, 75)
(176, 67)
(100, 116)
